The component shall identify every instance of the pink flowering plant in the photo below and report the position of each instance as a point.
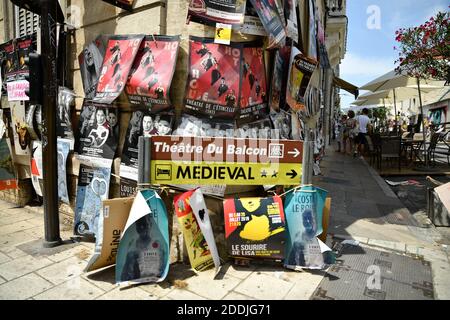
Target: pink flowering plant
(424, 51)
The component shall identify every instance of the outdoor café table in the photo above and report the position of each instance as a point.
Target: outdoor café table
(415, 147)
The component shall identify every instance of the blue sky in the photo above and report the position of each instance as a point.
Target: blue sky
(370, 51)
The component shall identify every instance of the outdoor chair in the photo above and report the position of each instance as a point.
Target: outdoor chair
(436, 148)
(373, 143)
(391, 149)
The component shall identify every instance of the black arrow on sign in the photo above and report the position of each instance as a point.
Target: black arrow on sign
(292, 174)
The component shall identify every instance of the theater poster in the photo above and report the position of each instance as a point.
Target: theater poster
(211, 12)
(143, 254)
(252, 24)
(290, 14)
(277, 97)
(312, 40)
(37, 177)
(253, 100)
(152, 71)
(255, 227)
(92, 189)
(25, 45)
(8, 178)
(22, 138)
(142, 123)
(90, 61)
(212, 88)
(66, 102)
(119, 57)
(10, 56)
(269, 13)
(63, 149)
(98, 131)
(304, 212)
(194, 221)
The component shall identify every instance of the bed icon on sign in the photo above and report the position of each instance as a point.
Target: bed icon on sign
(163, 172)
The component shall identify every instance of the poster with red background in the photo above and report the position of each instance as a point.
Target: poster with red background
(213, 83)
(253, 99)
(152, 71)
(120, 54)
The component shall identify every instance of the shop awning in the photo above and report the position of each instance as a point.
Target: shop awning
(338, 82)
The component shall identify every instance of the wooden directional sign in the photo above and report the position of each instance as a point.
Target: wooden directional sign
(195, 160)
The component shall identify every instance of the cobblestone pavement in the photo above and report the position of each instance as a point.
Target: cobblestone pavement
(363, 208)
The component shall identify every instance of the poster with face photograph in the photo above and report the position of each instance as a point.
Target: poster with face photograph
(269, 13)
(90, 60)
(66, 102)
(92, 189)
(22, 139)
(24, 46)
(11, 63)
(142, 123)
(282, 122)
(8, 178)
(152, 71)
(212, 88)
(253, 100)
(255, 227)
(120, 54)
(217, 11)
(277, 98)
(63, 149)
(252, 24)
(98, 131)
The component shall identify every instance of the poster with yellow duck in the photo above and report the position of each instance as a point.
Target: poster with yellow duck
(255, 227)
(199, 252)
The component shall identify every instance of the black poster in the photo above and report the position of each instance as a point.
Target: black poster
(25, 45)
(269, 13)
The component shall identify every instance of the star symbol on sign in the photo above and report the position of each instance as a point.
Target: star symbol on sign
(264, 174)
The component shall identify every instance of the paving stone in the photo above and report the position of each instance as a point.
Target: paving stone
(62, 271)
(305, 285)
(37, 232)
(24, 287)
(441, 279)
(9, 241)
(133, 293)
(14, 227)
(205, 285)
(36, 221)
(388, 244)
(2, 280)
(236, 296)
(159, 290)
(10, 219)
(427, 253)
(15, 253)
(78, 251)
(262, 286)
(181, 294)
(75, 289)
(239, 272)
(4, 258)
(21, 266)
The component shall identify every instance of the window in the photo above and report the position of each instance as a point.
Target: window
(26, 22)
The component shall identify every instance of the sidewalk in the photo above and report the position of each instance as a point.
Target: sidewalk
(363, 208)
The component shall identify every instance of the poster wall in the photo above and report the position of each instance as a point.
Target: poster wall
(152, 71)
(120, 54)
(217, 11)
(255, 227)
(143, 254)
(269, 13)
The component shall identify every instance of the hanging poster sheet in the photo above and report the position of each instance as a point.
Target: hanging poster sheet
(304, 211)
(143, 254)
(142, 123)
(90, 61)
(191, 126)
(290, 14)
(98, 132)
(261, 129)
(312, 40)
(197, 231)
(66, 101)
(253, 99)
(21, 135)
(298, 127)
(282, 122)
(92, 189)
(300, 72)
(212, 88)
(110, 228)
(9, 54)
(120, 54)
(255, 227)
(277, 100)
(268, 12)
(152, 72)
(211, 12)
(37, 177)
(8, 178)
(128, 187)
(63, 148)
(252, 24)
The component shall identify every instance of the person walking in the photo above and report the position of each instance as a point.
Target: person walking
(350, 131)
(363, 124)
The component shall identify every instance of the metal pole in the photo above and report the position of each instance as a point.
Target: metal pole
(423, 124)
(49, 148)
(395, 111)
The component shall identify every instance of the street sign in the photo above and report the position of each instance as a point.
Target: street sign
(205, 161)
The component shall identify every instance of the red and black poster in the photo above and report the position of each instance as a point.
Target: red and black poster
(217, 11)
(255, 227)
(277, 97)
(25, 45)
(151, 75)
(10, 58)
(213, 83)
(120, 54)
(253, 100)
(269, 13)
(90, 60)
